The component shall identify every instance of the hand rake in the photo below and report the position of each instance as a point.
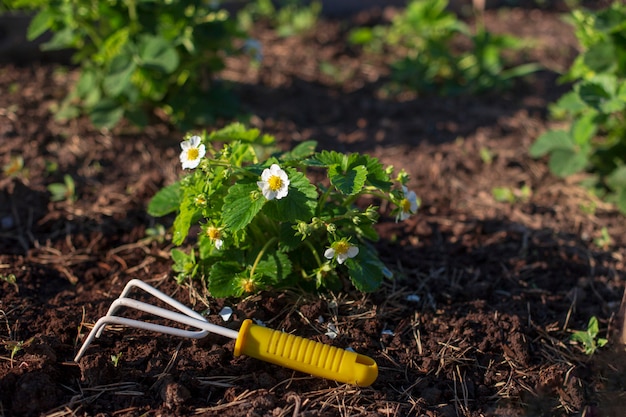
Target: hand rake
(253, 340)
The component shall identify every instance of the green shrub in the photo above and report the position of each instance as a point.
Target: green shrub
(425, 34)
(287, 17)
(139, 55)
(255, 222)
(595, 108)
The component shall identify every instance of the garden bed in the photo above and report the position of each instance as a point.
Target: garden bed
(477, 320)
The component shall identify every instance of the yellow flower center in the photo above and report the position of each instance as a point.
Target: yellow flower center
(275, 182)
(405, 204)
(341, 247)
(213, 233)
(248, 286)
(193, 154)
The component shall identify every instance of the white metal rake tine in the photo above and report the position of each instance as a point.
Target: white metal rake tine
(156, 294)
(187, 317)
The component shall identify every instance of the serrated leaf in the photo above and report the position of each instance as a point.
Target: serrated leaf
(106, 113)
(241, 204)
(592, 93)
(376, 174)
(165, 201)
(158, 54)
(584, 128)
(224, 279)
(275, 266)
(366, 271)
(119, 77)
(571, 102)
(113, 45)
(301, 151)
(183, 221)
(567, 162)
(326, 159)
(236, 132)
(600, 57)
(86, 83)
(550, 141)
(350, 181)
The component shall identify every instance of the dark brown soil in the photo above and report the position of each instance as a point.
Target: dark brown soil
(498, 286)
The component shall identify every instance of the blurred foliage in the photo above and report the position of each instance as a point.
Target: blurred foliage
(595, 107)
(136, 56)
(428, 37)
(287, 17)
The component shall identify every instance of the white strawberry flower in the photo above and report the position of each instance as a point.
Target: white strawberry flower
(408, 205)
(192, 152)
(274, 183)
(342, 249)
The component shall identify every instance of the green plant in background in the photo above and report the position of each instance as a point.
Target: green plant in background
(65, 191)
(604, 240)
(115, 359)
(425, 33)
(595, 107)
(136, 56)
(287, 17)
(511, 195)
(255, 221)
(10, 279)
(589, 338)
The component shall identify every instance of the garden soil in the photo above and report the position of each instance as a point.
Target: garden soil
(485, 296)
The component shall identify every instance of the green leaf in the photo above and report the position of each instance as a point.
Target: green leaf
(376, 174)
(241, 204)
(301, 151)
(158, 54)
(620, 200)
(350, 181)
(86, 83)
(119, 77)
(616, 180)
(107, 113)
(584, 128)
(40, 23)
(112, 46)
(62, 39)
(165, 201)
(571, 102)
(366, 271)
(567, 162)
(184, 264)
(224, 279)
(326, 159)
(592, 93)
(183, 221)
(238, 132)
(600, 57)
(300, 202)
(275, 266)
(550, 141)
(593, 327)
(361, 36)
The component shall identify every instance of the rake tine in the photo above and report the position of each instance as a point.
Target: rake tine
(186, 316)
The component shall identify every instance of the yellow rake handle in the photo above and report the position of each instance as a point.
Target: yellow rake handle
(305, 355)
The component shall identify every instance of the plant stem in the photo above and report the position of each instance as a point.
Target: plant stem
(260, 255)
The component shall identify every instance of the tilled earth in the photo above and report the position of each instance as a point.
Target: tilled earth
(476, 322)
